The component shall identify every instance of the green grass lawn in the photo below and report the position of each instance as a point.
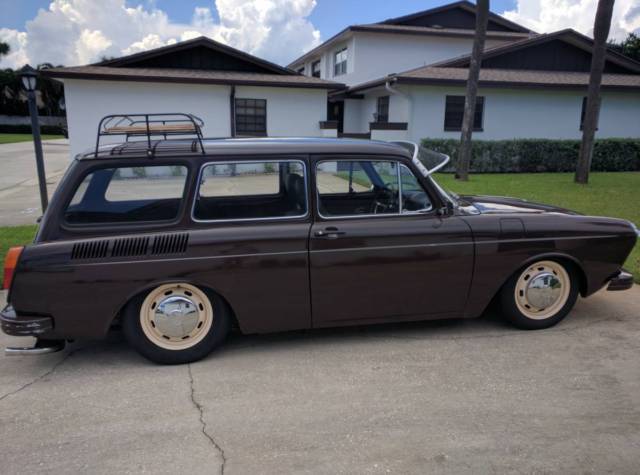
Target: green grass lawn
(607, 194)
(15, 236)
(13, 138)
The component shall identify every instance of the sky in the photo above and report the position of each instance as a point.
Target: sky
(73, 32)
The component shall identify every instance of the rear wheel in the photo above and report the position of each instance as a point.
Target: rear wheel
(176, 323)
(540, 295)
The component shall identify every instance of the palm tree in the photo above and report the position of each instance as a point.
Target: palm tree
(464, 156)
(601, 28)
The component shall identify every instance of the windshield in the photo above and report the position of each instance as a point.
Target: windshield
(428, 162)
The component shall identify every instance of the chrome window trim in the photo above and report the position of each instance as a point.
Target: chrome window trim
(241, 220)
(358, 216)
(123, 225)
(420, 211)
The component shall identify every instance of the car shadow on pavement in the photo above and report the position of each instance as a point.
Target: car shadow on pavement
(489, 325)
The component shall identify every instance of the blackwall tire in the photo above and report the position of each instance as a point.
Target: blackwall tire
(540, 295)
(176, 323)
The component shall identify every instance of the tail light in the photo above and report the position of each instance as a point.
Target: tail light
(10, 264)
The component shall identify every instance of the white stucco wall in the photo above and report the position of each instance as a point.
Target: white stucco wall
(375, 55)
(508, 113)
(526, 113)
(290, 111)
(352, 116)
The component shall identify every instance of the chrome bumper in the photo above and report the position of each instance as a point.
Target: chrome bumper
(622, 281)
(15, 325)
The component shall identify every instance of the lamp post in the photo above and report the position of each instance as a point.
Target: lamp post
(29, 76)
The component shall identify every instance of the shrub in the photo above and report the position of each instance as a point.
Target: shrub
(540, 155)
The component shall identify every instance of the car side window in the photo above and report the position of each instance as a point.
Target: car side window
(128, 195)
(414, 197)
(251, 191)
(357, 187)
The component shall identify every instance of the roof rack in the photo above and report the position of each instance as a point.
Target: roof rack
(148, 126)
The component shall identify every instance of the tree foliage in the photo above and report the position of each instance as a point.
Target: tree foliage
(630, 46)
(13, 101)
(4, 49)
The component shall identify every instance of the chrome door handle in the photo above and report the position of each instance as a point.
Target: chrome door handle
(329, 233)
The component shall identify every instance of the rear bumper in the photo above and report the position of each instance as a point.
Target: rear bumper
(622, 281)
(15, 325)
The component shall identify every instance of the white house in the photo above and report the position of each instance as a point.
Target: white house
(234, 93)
(406, 79)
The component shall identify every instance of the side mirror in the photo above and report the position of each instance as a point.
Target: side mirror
(447, 209)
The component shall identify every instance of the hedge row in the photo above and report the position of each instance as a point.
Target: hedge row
(26, 129)
(540, 155)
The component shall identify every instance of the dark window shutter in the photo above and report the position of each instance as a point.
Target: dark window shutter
(454, 112)
(251, 117)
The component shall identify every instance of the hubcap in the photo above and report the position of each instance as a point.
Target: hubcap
(542, 290)
(176, 316)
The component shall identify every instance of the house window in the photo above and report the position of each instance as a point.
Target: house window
(340, 62)
(454, 111)
(315, 69)
(382, 109)
(301, 70)
(251, 117)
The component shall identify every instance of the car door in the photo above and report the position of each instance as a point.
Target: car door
(378, 248)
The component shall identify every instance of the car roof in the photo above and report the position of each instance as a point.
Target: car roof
(247, 146)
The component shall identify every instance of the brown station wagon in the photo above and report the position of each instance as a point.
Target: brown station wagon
(181, 239)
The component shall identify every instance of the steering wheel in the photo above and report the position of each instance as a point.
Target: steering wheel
(384, 200)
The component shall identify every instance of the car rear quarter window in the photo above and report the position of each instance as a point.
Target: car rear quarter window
(128, 195)
(232, 191)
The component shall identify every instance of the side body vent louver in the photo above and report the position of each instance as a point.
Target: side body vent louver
(170, 244)
(90, 250)
(136, 246)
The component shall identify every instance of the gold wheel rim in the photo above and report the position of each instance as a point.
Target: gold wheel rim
(176, 316)
(542, 289)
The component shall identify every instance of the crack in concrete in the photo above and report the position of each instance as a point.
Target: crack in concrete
(203, 424)
(42, 376)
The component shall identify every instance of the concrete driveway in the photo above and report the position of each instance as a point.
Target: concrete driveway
(19, 192)
(471, 396)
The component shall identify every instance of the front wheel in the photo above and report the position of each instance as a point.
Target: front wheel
(540, 295)
(175, 323)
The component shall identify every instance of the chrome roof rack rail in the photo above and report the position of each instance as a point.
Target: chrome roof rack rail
(176, 124)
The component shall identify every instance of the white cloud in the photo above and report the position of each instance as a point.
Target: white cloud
(72, 32)
(551, 15)
(91, 44)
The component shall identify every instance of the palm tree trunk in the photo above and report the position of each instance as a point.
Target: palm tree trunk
(590, 124)
(464, 155)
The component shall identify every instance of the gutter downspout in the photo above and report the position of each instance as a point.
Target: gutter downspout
(232, 111)
(392, 90)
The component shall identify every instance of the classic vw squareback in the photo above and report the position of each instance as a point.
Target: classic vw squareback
(181, 241)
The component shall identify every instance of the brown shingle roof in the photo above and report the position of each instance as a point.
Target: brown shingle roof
(567, 35)
(505, 78)
(197, 76)
(427, 30)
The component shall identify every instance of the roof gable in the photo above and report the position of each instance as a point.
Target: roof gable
(565, 50)
(461, 15)
(200, 54)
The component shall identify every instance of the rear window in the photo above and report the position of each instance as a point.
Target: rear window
(128, 195)
(256, 190)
